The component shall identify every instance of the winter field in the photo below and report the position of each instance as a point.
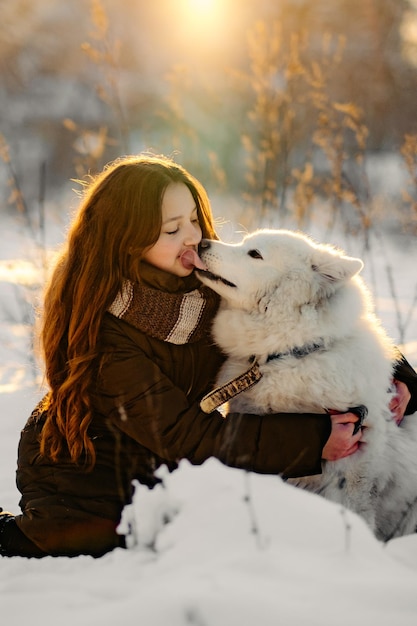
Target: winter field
(238, 549)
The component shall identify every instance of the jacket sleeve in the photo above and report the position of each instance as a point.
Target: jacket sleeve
(406, 374)
(285, 443)
(135, 395)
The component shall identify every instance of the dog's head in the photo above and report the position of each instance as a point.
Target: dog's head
(266, 263)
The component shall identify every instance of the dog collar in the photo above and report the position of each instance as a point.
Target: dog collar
(229, 390)
(298, 352)
(250, 377)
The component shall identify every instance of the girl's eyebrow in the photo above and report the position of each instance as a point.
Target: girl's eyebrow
(172, 219)
(177, 217)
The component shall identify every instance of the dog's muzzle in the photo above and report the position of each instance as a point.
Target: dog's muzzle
(205, 244)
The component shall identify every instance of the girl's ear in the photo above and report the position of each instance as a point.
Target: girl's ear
(333, 266)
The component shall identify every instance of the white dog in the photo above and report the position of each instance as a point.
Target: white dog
(302, 312)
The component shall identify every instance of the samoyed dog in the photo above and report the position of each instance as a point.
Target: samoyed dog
(300, 312)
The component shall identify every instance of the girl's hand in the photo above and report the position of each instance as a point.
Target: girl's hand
(342, 442)
(399, 402)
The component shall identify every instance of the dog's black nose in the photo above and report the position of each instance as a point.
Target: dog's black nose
(204, 244)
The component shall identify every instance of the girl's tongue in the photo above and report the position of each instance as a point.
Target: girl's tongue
(190, 259)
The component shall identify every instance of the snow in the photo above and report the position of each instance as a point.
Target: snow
(214, 546)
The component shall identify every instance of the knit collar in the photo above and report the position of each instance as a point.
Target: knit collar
(166, 307)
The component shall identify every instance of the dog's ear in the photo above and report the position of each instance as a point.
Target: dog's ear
(332, 266)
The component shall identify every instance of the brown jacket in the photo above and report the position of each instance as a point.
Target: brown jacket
(147, 413)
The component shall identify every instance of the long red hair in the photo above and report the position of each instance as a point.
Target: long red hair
(120, 213)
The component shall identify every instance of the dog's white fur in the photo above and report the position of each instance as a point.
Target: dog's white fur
(285, 290)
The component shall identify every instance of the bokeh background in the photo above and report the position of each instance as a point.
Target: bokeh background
(292, 113)
(291, 107)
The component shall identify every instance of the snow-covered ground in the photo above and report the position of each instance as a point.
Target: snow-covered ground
(215, 546)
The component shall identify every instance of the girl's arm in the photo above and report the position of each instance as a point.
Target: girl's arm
(145, 403)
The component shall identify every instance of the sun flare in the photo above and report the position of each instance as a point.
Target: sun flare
(202, 6)
(203, 11)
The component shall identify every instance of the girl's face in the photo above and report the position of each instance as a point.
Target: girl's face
(180, 231)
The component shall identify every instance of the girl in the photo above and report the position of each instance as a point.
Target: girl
(128, 357)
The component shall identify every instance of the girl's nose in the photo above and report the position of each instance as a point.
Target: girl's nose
(193, 235)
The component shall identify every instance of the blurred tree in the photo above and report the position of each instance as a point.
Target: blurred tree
(375, 72)
(45, 77)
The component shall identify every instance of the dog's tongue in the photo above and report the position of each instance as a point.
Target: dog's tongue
(190, 259)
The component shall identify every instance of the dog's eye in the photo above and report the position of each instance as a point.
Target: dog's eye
(255, 254)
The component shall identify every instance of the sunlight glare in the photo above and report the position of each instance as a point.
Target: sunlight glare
(202, 23)
(19, 272)
(203, 12)
(202, 6)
